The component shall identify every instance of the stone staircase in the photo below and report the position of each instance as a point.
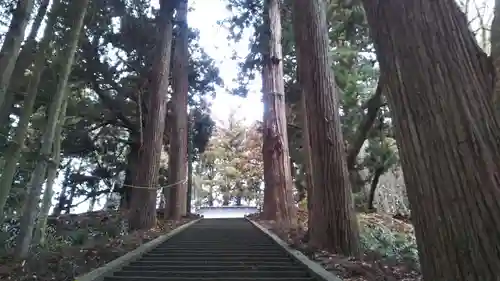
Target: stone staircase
(216, 250)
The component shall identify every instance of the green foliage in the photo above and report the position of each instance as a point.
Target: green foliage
(82, 229)
(79, 237)
(390, 244)
(201, 130)
(107, 88)
(231, 166)
(381, 153)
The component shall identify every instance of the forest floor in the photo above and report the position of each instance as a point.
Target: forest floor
(389, 250)
(79, 244)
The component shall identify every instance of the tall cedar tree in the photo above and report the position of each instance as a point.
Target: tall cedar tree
(143, 194)
(12, 44)
(335, 225)
(41, 224)
(495, 52)
(177, 163)
(14, 148)
(277, 176)
(439, 89)
(31, 205)
(24, 60)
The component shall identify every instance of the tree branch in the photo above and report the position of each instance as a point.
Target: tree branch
(112, 105)
(373, 105)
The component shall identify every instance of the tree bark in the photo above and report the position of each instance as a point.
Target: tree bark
(366, 124)
(306, 145)
(225, 199)
(373, 106)
(14, 148)
(12, 44)
(62, 194)
(143, 206)
(306, 151)
(210, 197)
(177, 162)
(92, 202)
(373, 187)
(239, 193)
(24, 60)
(29, 49)
(126, 190)
(69, 202)
(38, 177)
(495, 53)
(449, 139)
(269, 206)
(335, 227)
(277, 156)
(190, 167)
(41, 227)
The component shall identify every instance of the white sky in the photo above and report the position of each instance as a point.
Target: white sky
(214, 40)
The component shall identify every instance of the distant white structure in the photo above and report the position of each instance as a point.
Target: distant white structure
(226, 211)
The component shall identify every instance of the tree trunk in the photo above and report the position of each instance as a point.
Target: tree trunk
(37, 21)
(143, 205)
(306, 147)
(177, 162)
(211, 196)
(29, 49)
(448, 136)
(126, 190)
(269, 206)
(373, 187)
(335, 227)
(24, 60)
(306, 152)
(279, 178)
(373, 105)
(14, 148)
(495, 53)
(62, 194)
(239, 193)
(41, 228)
(93, 200)
(12, 44)
(38, 177)
(190, 169)
(225, 199)
(69, 202)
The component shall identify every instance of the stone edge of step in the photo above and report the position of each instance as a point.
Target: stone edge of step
(98, 274)
(314, 268)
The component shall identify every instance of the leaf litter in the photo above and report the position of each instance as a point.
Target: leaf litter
(372, 266)
(65, 261)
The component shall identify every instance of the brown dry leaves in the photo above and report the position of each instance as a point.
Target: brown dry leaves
(71, 261)
(372, 267)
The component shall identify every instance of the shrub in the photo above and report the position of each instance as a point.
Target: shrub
(398, 246)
